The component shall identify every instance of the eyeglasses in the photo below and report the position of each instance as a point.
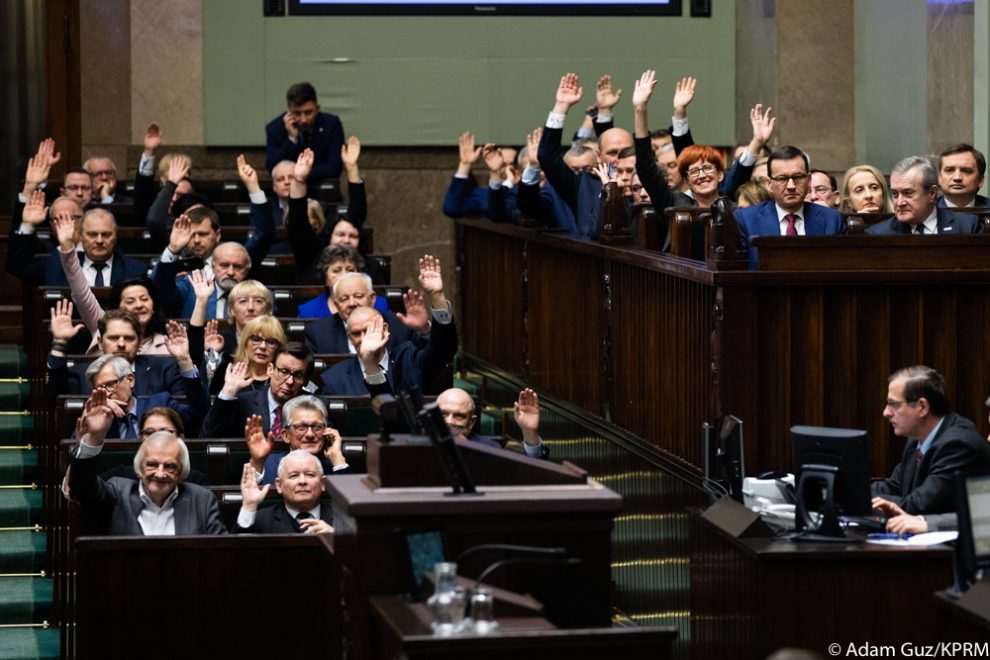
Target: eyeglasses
(894, 404)
(109, 386)
(270, 342)
(168, 467)
(285, 373)
(317, 428)
(782, 179)
(147, 433)
(695, 172)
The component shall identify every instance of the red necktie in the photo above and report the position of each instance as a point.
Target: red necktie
(920, 457)
(277, 424)
(791, 224)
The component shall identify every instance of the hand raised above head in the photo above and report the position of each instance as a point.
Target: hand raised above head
(527, 410)
(605, 98)
(178, 168)
(251, 494)
(643, 89)
(417, 317)
(469, 153)
(304, 165)
(35, 211)
(152, 138)
(62, 327)
(430, 276)
(569, 91)
(683, 95)
(350, 151)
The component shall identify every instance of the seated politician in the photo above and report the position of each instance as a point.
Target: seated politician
(940, 444)
(306, 428)
(158, 504)
(458, 411)
(303, 507)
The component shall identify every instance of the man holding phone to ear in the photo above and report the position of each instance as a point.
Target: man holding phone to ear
(304, 422)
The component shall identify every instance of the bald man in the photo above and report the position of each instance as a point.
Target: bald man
(458, 411)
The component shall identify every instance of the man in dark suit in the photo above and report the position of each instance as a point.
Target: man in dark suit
(353, 290)
(961, 169)
(940, 443)
(304, 126)
(914, 187)
(104, 176)
(458, 411)
(102, 263)
(289, 371)
(114, 375)
(120, 334)
(306, 428)
(158, 504)
(378, 370)
(302, 509)
(788, 214)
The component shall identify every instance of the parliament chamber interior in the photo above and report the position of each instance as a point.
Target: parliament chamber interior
(711, 387)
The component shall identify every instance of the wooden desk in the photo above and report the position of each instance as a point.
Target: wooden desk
(750, 597)
(964, 619)
(402, 630)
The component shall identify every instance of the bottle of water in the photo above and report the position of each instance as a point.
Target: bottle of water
(448, 600)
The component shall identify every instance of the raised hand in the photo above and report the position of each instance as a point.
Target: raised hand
(65, 230)
(290, 125)
(373, 342)
(493, 158)
(99, 417)
(527, 410)
(763, 125)
(683, 95)
(178, 168)
(46, 148)
(248, 176)
(252, 495)
(569, 92)
(181, 234)
(468, 152)
(304, 164)
(236, 378)
(333, 446)
(40, 165)
(417, 317)
(430, 277)
(643, 89)
(604, 96)
(350, 152)
(152, 138)
(177, 344)
(61, 323)
(259, 444)
(202, 284)
(35, 210)
(212, 337)
(533, 146)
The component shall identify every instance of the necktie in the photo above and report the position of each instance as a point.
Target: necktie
(305, 515)
(791, 224)
(277, 423)
(99, 281)
(919, 457)
(130, 427)
(920, 229)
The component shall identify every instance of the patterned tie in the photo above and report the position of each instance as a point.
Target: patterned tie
(791, 224)
(99, 281)
(277, 424)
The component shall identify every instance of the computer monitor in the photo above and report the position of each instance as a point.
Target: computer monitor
(724, 455)
(832, 473)
(972, 553)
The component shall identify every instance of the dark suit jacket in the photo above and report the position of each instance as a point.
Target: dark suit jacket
(47, 271)
(761, 220)
(949, 222)
(328, 335)
(465, 198)
(581, 192)
(113, 506)
(192, 413)
(325, 140)
(277, 520)
(153, 374)
(979, 201)
(545, 206)
(928, 488)
(409, 366)
(493, 442)
(274, 458)
(226, 418)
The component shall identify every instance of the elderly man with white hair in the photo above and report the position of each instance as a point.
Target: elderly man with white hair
(302, 509)
(159, 503)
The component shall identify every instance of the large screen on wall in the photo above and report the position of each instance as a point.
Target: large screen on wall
(490, 8)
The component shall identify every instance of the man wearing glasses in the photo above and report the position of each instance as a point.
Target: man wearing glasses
(236, 404)
(306, 428)
(939, 443)
(159, 503)
(788, 214)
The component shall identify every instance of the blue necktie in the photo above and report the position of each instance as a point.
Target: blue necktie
(99, 282)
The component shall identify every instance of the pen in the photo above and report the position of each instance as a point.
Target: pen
(882, 535)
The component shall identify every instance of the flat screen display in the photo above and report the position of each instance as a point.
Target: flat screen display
(978, 497)
(491, 8)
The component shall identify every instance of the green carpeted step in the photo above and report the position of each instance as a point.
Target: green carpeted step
(16, 429)
(22, 552)
(14, 396)
(20, 507)
(25, 599)
(13, 361)
(29, 643)
(18, 466)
